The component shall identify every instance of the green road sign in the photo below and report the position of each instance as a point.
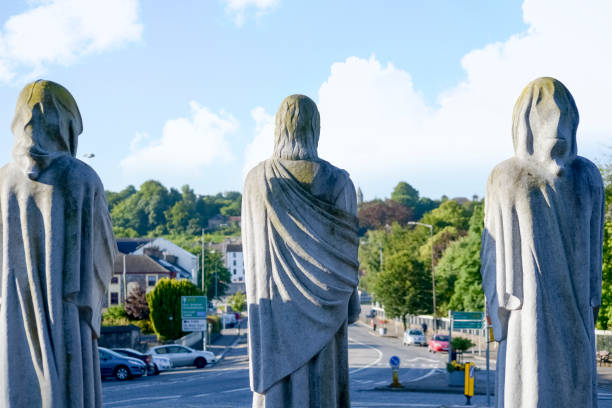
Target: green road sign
(467, 324)
(193, 307)
(468, 315)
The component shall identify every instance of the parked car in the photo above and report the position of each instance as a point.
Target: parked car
(371, 314)
(414, 336)
(439, 342)
(155, 364)
(181, 356)
(119, 366)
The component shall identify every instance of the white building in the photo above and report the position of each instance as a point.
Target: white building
(234, 262)
(177, 255)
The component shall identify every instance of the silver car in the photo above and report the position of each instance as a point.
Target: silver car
(181, 356)
(414, 336)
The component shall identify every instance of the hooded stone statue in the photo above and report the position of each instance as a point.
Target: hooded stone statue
(56, 256)
(542, 256)
(300, 242)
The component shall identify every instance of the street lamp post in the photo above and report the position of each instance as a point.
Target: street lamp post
(433, 279)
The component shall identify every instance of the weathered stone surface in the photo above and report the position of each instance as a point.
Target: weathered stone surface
(300, 240)
(56, 257)
(542, 256)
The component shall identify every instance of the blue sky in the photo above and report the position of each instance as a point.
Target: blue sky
(420, 91)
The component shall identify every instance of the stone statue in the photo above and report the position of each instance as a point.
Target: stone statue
(542, 256)
(300, 243)
(57, 253)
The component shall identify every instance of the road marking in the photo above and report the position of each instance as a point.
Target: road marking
(429, 374)
(380, 356)
(236, 390)
(143, 399)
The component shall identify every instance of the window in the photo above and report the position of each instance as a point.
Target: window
(234, 271)
(234, 255)
(234, 262)
(114, 298)
(114, 280)
(151, 280)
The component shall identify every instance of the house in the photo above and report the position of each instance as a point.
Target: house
(231, 252)
(132, 271)
(168, 254)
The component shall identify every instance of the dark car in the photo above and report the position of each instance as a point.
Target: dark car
(113, 364)
(145, 358)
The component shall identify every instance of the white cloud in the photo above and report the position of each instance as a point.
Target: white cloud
(262, 146)
(238, 9)
(186, 145)
(375, 124)
(61, 31)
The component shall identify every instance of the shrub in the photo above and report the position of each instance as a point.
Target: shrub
(165, 306)
(215, 322)
(461, 344)
(136, 305)
(115, 316)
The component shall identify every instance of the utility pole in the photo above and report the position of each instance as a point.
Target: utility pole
(124, 281)
(433, 279)
(204, 291)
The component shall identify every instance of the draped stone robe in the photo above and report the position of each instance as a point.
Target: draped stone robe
(541, 269)
(300, 243)
(56, 255)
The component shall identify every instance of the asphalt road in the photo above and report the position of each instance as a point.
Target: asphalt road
(227, 383)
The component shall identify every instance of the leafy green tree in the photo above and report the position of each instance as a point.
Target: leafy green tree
(115, 316)
(213, 264)
(402, 287)
(165, 306)
(405, 194)
(458, 280)
(604, 320)
(449, 213)
(237, 302)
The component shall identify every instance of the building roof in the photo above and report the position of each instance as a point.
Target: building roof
(129, 245)
(233, 248)
(138, 264)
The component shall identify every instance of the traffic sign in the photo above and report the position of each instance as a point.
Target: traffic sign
(467, 315)
(193, 313)
(394, 361)
(194, 325)
(467, 324)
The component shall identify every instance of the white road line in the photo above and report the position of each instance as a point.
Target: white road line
(235, 390)
(429, 374)
(380, 356)
(143, 399)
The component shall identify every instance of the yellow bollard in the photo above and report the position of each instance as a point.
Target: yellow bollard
(469, 382)
(396, 383)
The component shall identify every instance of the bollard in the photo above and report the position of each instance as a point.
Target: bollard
(469, 383)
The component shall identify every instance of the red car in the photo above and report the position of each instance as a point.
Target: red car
(439, 342)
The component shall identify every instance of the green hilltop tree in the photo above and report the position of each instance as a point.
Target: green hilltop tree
(165, 306)
(213, 263)
(604, 320)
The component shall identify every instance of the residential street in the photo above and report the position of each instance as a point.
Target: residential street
(227, 383)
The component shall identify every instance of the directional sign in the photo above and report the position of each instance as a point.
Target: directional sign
(194, 325)
(193, 313)
(467, 324)
(394, 361)
(467, 315)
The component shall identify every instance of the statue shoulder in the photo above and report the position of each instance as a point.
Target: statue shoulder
(586, 169)
(506, 173)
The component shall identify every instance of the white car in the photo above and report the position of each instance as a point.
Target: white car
(161, 363)
(414, 336)
(181, 356)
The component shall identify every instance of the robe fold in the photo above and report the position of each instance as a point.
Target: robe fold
(56, 257)
(301, 278)
(541, 259)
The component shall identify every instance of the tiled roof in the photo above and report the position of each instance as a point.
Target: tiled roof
(129, 245)
(138, 264)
